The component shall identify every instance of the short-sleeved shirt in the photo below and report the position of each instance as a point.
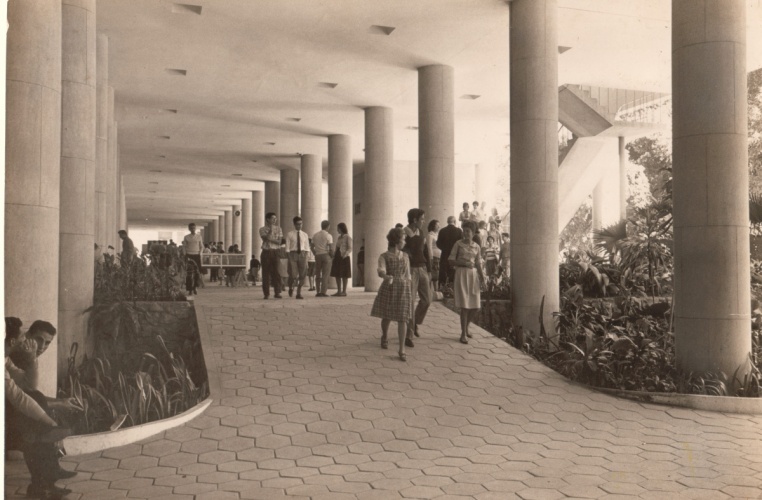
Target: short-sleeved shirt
(321, 240)
(271, 237)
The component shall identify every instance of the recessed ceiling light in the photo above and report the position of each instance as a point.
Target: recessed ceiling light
(293, 119)
(412, 128)
(327, 85)
(185, 8)
(562, 49)
(162, 156)
(176, 71)
(156, 171)
(382, 30)
(255, 161)
(164, 137)
(226, 185)
(237, 175)
(151, 191)
(270, 143)
(153, 183)
(471, 97)
(173, 111)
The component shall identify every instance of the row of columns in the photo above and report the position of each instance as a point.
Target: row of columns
(64, 191)
(711, 226)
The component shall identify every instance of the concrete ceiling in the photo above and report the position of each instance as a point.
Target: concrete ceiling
(253, 67)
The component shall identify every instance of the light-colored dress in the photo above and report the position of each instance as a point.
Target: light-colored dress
(393, 301)
(466, 288)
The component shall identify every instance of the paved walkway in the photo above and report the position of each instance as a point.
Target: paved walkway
(313, 408)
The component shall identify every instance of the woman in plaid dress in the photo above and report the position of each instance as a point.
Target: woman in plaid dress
(393, 302)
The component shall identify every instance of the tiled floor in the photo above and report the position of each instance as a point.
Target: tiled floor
(311, 407)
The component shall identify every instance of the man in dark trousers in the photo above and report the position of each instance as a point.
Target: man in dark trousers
(445, 241)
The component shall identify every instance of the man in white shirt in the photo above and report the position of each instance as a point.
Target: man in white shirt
(193, 244)
(297, 249)
(271, 235)
(323, 243)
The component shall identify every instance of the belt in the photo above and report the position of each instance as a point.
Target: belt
(298, 251)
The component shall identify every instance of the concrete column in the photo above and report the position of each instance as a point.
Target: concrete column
(312, 191)
(213, 231)
(228, 229)
(340, 182)
(101, 140)
(246, 228)
(606, 199)
(378, 206)
(257, 220)
(711, 182)
(534, 162)
(111, 232)
(32, 168)
(77, 198)
(237, 225)
(272, 198)
(122, 207)
(436, 141)
(289, 198)
(220, 228)
(623, 183)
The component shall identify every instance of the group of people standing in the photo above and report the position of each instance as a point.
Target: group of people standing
(331, 260)
(408, 269)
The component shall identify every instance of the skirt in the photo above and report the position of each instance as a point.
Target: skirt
(311, 269)
(466, 288)
(341, 267)
(435, 268)
(393, 302)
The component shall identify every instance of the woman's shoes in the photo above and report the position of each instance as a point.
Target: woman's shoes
(403, 357)
(384, 343)
(463, 340)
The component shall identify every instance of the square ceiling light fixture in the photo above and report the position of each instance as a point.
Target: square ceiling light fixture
(186, 8)
(164, 137)
(293, 119)
(176, 71)
(327, 85)
(382, 30)
(269, 144)
(470, 97)
(562, 49)
(173, 111)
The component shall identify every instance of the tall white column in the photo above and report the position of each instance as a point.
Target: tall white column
(122, 208)
(272, 197)
(312, 191)
(111, 231)
(101, 140)
(77, 198)
(32, 168)
(623, 183)
(246, 228)
(606, 199)
(237, 225)
(711, 182)
(378, 206)
(534, 162)
(258, 220)
(214, 231)
(340, 182)
(436, 141)
(228, 229)
(289, 197)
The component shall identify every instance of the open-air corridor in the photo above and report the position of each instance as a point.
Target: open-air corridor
(309, 406)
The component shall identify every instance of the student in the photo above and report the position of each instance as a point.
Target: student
(394, 299)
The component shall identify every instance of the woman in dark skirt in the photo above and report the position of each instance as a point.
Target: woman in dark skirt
(342, 265)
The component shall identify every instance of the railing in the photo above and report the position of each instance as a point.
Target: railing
(624, 105)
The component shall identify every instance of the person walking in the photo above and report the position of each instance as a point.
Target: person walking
(445, 241)
(341, 269)
(311, 266)
(435, 253)
(193, 244)
(394, 299)
(128, 249)
(323, 243)
(271, 235)
(361, 266)
(415, 246)
(466, 258)
(297, 248)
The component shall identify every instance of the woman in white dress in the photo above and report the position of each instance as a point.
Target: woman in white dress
(467, 261)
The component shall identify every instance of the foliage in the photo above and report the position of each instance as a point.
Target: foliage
(654, 154)
(111, 398)
(754, 81)
(137, 281)
(575, 237)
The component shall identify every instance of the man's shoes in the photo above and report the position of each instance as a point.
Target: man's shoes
(415, 331)
(278, 296)
(311, 289)
(337, 294)
(320, 295)
(409, 342)
(267, 297)
(291, 292)
(343, 294)
(62, 473)
(298, 296)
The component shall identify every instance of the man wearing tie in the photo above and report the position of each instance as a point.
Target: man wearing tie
(297, 249)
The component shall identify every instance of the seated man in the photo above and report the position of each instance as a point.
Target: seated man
(29, 428)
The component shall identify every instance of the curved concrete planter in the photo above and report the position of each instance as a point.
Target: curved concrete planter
(723, 404)
(89, 443)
